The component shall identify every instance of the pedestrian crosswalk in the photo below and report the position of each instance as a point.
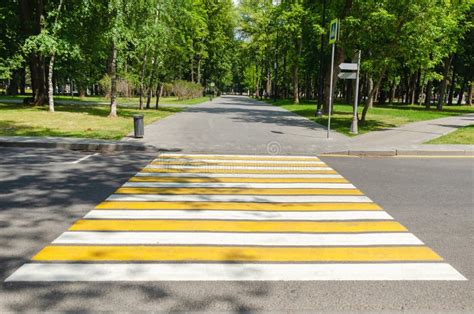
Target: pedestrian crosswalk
(236, 217)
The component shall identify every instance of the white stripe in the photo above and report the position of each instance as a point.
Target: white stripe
(240, 198)
(204, 167)
(240, 175)
(232, 156)
(240, 185)
(256, 161)
(234, 272)
(238, 215)
(211, 238)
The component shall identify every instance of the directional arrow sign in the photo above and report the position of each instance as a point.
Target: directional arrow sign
(348, 66)
(347, 75)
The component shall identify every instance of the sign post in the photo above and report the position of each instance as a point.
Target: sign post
(355, 120)
(333, 37)
(351, 75)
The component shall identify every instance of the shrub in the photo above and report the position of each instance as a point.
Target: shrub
(186, 90)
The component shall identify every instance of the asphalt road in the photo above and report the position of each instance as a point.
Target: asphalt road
(240, 125)
(42, 192)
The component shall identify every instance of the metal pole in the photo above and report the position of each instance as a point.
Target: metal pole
(321, 61)
(354, 126)
(330, 88)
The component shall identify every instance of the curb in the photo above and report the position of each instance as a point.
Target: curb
(85, 146)
(401, 152)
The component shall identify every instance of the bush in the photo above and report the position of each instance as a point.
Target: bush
(167, 89)
(186, 90)
(124, 86)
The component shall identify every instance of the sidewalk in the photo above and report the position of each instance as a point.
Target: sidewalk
(409, 138)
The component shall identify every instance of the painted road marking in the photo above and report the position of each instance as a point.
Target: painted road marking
(235, 253)
(249, 171)
(233, 157)
(237, 215)
(239, 185)
(233, 168)
(137, 205)
(239, 198)
(236, 191)
(221, 217)
(301, 176)
(235, 161)
(251, 239)
(237, 226)
(149, 177)
(234, 272)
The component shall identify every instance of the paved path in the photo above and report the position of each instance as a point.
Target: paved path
(236, 218)
(236, 124)
(413, 133)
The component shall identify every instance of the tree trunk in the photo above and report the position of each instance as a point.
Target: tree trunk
(391, 94)
(50, 84)
(199, 70)
(370, 97)
(191, 66)
(414, 80)
(257, 83)
(22, 81)
(142, 78)
(451, 88)
(429, 90)
(148, 98)
(418, 87)
(159, 92)
(296, 68)
(285, 80)
(12, 88)
(470, 92)
(113, 76)
(370, 89)
(442, 86)
(461, 92)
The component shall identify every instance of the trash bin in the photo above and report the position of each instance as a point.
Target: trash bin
(138, 125)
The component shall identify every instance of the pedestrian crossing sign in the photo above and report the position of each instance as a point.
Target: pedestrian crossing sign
(334, 31)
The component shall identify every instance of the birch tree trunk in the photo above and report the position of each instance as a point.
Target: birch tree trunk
(113, 88)
(50, 85)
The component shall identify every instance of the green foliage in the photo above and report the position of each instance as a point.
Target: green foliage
(186, 90)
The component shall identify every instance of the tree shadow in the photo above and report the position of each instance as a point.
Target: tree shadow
(41, 196)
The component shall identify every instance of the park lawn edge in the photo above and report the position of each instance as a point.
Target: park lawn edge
(76, 121)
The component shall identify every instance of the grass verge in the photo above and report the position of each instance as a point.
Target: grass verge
(132, 101)
(378, 118)
(464, 135)
(87, 121)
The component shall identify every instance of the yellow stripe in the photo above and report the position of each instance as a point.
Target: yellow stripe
(231, 157)
(238, 254)
(232, 164)
(230, 170)
(238, 191)
(236, 226)
(239, 206)
(237, 180)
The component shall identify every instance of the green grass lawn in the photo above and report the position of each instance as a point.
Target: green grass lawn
(378, 118)
(120, 100)
(87, 121)
(464, 135)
